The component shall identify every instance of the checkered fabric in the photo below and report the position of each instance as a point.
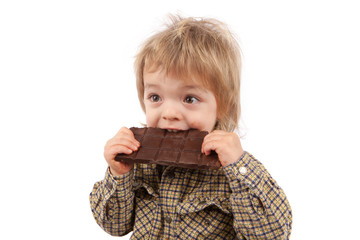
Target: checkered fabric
(239, 201)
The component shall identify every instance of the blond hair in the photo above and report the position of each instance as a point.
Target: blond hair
(201, 50)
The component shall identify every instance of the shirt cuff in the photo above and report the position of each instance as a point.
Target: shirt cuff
(246, 171)
(121, 185)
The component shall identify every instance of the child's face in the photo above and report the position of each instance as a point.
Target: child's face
(173, 104)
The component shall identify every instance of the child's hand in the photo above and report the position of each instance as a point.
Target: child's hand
(226, 144)
(123, 142)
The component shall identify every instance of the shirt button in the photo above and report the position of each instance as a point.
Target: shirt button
(109, 185)
(243, 170)
(168, 219)
(207, 222)
(171, 174)
(136, 184)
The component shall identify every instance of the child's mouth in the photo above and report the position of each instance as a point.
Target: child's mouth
(172, 130)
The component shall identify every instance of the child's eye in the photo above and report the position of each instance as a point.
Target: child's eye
(155, 98)
(190, 99)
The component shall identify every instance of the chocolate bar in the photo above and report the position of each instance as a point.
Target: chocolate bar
(180, 149)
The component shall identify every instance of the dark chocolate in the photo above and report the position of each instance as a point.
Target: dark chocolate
(179, 149)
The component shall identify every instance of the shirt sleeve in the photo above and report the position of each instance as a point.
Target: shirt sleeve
(260, 207)
(112, 203)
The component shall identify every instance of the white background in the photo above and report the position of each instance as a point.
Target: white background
(67, 85)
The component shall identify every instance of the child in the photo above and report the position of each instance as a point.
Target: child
(188, 76)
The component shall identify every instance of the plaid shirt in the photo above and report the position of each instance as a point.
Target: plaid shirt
(239, 201)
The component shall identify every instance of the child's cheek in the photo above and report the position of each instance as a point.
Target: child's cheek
(197, 124)
(150, 120)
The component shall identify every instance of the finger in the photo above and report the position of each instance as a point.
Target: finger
(218, 132)
(209, 145)
(124, 140)
(117, 149)
(110, 148)
(125, 131)
(211, 142)
(223, 137)
(215, 134)
(213, 138)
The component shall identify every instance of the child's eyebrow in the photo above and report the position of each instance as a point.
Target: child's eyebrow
(184, 88)
(194, 87)
(150, 85)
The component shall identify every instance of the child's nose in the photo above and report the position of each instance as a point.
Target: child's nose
(171, 112)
